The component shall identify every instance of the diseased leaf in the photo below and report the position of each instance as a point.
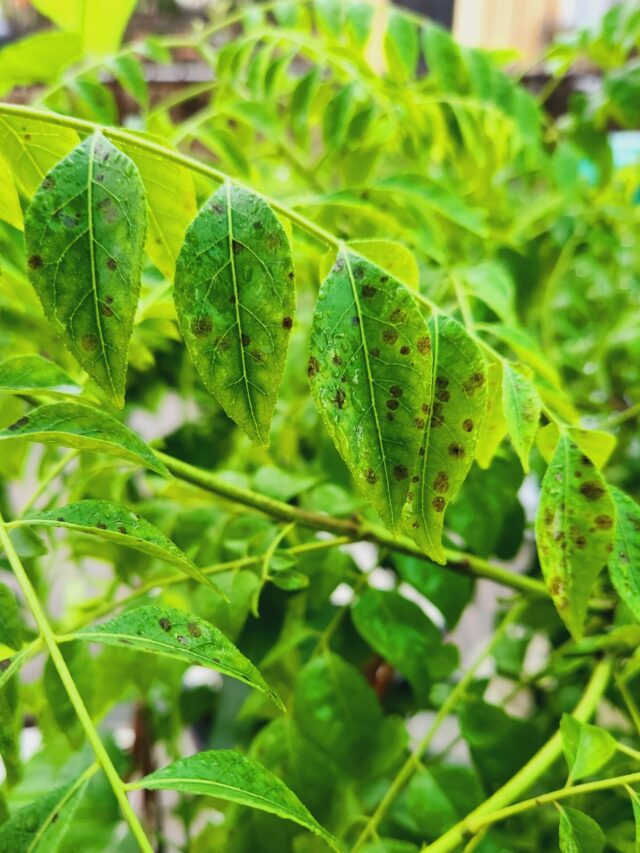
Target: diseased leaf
(369, 369)
(494, 426)
(32, 147)
(41, 826)
(171, 205)
(574, 531)
(84, 232)
(522, 408)
(116, 524)
(237, 778)
(596, 444)
(587, 748)
(579, 833)
(235, 300)
(25, 373)
(393, 257)
(453, 409)
(10, 210)
(624, 560)
(163, 630)
(83, 428)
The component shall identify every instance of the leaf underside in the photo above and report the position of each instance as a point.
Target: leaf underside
(235, 299)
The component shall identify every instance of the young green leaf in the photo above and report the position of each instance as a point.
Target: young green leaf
(10, 210)
(494, 426)
(116, 524)
(11, 623)
(163, 630)
(85, 231)
(31, 148)
(453, 409)
(369, 369)
(587, 748)
(83, 428)
(522, 407)
(624, 560)
(235, 300)
(41, 826)
(32, 373)
(236, 778)
(574, 531)
(579, 833)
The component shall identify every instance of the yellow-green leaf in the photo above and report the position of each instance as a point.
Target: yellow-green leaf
(624, 560)
(32, 147)
(522, 407)
(10, 210)
(32, 373)
(596, 444)
(493, 427)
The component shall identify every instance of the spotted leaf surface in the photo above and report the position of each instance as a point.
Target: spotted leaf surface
(83, 428)
(522, 407)
(452, 412)
(624, 560)
(110, 521)
(369, 367)
(85, 232)
(574, 531)
(237, 778)
(173, 633)
(235, 298)
(32, 147)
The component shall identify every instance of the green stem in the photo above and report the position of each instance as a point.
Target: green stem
(527, 775)
(266, 562)
(627, 750)
(413, 761)
(70, 687)
(135, 141)
(52, 473)
(355, 530)
(625, 415)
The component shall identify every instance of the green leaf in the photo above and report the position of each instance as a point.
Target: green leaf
(587, 748)
(85, 232)
(402, 47)
(444, 59)
(171, 205)
(454, 406)
(99, 23)
(10, 210)
(579, 833)
(236, 778)
(398, 630)
(235, 300)
(390, 256)
(163, 630)
(337, 117)
(116, 524)
(624, 560)
(41, 826)
(635, 802)
(574, 531)
(37, 58)
(11, 623)
(28, 373)
(522, 408)
(369, 370)
(32, 147)
(494, 426)
(83, 428)
(490, 282)
(596, 444)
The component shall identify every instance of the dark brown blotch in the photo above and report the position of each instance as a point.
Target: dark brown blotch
(456, 450)
(400, 472)
(604, 522)
(404, 350)
(313, 367)
(443, 395)
(392, 404)
(164, 623)
(339, 398)
(245, 339)
(287, 323)
(101, 525)
(591, 490)
(438, 504)
(395, 391)
(368, 291)
(390, 336)
(202, 326)
(370, 476)
(474, 383)
(194, 629)
(35, 262)
(441, 482)
(467, 425)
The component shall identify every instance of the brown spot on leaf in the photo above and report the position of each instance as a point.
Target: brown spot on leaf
(442, 382)
(390, 336)
(443, 395)
(604, 522)
(370, 476)
(426, 408)
(438, 504)
(404, 350)
(4, 664)
(415, 479)
(384, 279)
(456, 450)
(194, 629)
(19, 423)
(105, 310)
(397, 315)
(368, 291)
(122, 529)
(400, 472)
(392, 404)
(556, 585)
(422, 451)
(287, 322)
(424, 346)
(591, 490)
(237, 247)
(245, 339)
(419, 422)
(441, 482)
(313, 367)
(164, 623)
(474, 382)
(101, 525)
(355, 321)
(396, 391)
(89, 342)
(374, 353)
(202, 326)
(35, 262)
(339, 399)
(467, 425)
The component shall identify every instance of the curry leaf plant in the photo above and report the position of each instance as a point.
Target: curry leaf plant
(319, 396)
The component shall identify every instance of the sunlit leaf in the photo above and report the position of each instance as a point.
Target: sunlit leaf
(37, 58)
(369, 369)
(494, 426)
(32, 373)
(85, 232)
(587, 748)
(522, 408)
(235, 299)
(83, 428)
(596, 444)
(579, 833)
(402, 46)
(10, 210)
(624, 560)
(32, 147)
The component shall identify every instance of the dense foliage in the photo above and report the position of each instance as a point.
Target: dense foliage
(374, 312)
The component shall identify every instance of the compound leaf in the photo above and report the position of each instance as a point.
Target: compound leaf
(235, 300)
(454, 406)
(83, 428)
(369, 370)
(574, 531)
(522, 407)
(165, 631)
(624, 560)
(28, 373)
(85, 231)
(237, 778)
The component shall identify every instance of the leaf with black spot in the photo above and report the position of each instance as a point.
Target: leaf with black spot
(116, 524)
(370, 367)
(575, 527)
(172, 633)
(85, 233)
(453, 407)
(235, 299)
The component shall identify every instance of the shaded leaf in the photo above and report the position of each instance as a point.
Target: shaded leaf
(574, 531)
(32, 147)
(454, 406)
(25, 373)
(579, 833)
(389, 255)
(83, 428)
(522, 408)
(235, 300)
(369, 366)
(624, 560)
(11, 623)
(84, 232)
(237, 778)
(163, 630)
(587, 748)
